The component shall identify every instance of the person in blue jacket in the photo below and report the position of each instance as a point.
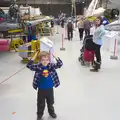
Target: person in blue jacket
(98, 42)
(45, 79)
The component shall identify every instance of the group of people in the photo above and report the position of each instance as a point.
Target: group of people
(97, 40)
(84, 25)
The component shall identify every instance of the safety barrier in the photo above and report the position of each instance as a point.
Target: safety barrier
(57, 29)
(65, 33)
(112, 44)
(62, 48)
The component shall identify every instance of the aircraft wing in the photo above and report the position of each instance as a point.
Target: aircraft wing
(35, 22)
(92, 11)
(98, 11)
(115, 26)
(8, 26)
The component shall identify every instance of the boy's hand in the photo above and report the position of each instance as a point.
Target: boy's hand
(35, 88)
(35, 56)
(54, 56)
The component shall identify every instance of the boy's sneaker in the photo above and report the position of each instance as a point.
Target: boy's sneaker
(53, 115)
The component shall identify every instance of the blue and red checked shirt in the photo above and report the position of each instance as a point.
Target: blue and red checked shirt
(38, 68)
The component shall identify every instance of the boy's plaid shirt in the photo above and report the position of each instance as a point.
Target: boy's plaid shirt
(38, 68)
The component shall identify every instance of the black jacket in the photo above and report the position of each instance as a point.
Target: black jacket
(88, 42)
(70, 27)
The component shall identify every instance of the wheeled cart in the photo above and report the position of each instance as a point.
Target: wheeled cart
(87, 50)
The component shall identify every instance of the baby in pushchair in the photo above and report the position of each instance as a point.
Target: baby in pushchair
(87, 51)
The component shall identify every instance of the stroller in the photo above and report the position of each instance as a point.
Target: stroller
(87, 51)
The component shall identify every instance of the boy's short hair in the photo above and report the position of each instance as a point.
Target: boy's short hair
(43, 54)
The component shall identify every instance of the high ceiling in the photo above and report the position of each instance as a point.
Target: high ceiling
(111, 4)
(44, 1)
(4, 3)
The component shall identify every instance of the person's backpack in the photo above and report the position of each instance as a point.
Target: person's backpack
(70, 26)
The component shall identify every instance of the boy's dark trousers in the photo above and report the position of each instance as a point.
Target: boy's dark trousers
(48, 96)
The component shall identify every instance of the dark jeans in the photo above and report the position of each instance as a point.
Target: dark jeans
(62, 24)
(70, 34)
(87, 32)
(48, 96)
(81, 30)
(97, 53)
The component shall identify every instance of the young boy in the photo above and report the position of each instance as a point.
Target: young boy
(45, 79)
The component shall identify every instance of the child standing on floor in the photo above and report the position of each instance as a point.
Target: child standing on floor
(45, 79)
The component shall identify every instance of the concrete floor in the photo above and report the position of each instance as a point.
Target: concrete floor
(82, 95)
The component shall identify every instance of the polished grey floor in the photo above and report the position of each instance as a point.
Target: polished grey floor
(82, 95)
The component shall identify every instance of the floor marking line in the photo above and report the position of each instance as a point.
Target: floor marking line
(12, 75)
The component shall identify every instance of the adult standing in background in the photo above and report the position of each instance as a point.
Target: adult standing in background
(87, 26)
(80, 25)
(62, 23)
(70, 28)
(52, 23)
(98, 42)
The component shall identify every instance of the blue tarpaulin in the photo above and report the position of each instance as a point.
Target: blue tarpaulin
(105, 21)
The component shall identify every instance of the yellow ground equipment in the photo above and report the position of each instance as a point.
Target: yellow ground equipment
(28, 50)
(15, 43)
(44, 29)
(15, 31)
(92, 18)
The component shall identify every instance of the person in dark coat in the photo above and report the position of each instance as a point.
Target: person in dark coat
(70, 28)
(52, 23)
(62, 23)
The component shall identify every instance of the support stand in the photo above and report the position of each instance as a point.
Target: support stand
(65, 33)
(62, 48)
(57, 30)
(114, 57)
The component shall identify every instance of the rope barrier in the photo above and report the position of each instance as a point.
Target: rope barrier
(114, 57)
(66, 33)
(62, 48)
(57, 30)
